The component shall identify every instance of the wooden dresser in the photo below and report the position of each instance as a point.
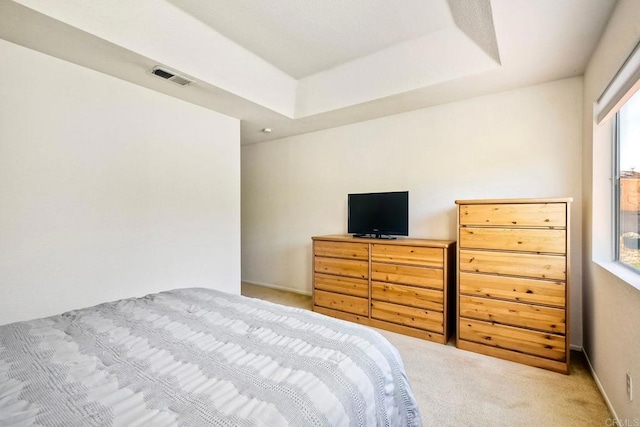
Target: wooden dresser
(403, 285)
(513, 280)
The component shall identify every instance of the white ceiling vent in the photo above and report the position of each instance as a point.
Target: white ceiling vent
(173, 77)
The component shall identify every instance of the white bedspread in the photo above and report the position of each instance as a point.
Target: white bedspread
(195, 357)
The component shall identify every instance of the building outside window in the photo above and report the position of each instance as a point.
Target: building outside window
(627, 191)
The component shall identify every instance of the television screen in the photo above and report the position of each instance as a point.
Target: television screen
(379, 214)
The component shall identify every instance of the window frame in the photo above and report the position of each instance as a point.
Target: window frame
(605, 195)
(616, 192)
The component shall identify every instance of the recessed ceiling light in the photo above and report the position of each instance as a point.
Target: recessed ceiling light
(266, 130)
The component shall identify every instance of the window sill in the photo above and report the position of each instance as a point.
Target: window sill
(623, 273)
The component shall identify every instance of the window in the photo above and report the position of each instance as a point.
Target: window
(616, 162)
(627, 183)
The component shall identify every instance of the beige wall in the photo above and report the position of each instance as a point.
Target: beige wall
(109, 190)
(521, 143)
(611, 306)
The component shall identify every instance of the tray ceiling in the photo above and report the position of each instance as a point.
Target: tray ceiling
(298, 66)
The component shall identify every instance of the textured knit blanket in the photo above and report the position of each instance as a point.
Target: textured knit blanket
(194, 357)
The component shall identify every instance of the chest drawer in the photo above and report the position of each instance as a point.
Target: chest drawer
(413, 255)
(342, 302)
(407, 275)
(511, 313)
(407, 295)
(408, 316)
(514, 239)
(513, 288)
(536, 343)
(517, 214)
(341, 250)
(342, 267)
(342, 285)
(514, 264)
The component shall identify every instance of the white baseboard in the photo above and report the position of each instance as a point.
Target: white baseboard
(280, 288)
(604, 394)
(576, 347)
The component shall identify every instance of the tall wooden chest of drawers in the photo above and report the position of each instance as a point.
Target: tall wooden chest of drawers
(513, 280)
(403, 285)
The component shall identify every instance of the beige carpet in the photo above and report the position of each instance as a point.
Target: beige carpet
(456, 387)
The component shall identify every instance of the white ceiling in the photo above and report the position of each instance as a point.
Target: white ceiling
(305, 37)
(298, 66)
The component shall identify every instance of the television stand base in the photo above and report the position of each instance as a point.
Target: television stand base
(376, 236)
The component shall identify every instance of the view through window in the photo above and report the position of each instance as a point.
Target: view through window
(628, 183)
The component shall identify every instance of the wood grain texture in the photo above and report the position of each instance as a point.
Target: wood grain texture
(342, 267)
(342, 285)
(407, 330)
(522, 340)
(407, 275)
(514, 239)
(513, 264)
(341, 250)
(342, 315)
(342, 302)
(412, 255)
(520, 201)
(393, 327)
(527, 359)
(408, 316)
(402, 241)
(405, 286)
(513, 288)
(521, 215)
(513, 279)
(407, 295)
(531, 316)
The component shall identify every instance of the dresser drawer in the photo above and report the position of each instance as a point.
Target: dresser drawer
(342, 302)
(513, 289)
(536, 343)
(341, 250)
(414, 255)
(519, 215)
(342, 285)
(514, 264)
(408, 316)
(512, 313)
(342, 267)
(407, 295)
(514, 239)
(407, 275)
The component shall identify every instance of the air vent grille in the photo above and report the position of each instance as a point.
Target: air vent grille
(171, 76)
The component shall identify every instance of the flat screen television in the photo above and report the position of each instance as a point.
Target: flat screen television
(379, 215)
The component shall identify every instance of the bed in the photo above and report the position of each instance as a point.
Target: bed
(194, 357)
